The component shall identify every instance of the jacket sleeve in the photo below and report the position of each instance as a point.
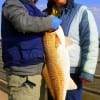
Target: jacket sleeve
(18, 15)
(89, 45)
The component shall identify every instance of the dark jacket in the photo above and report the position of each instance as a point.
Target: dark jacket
(20, 46)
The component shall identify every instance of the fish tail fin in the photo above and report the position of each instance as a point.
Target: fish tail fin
(71, 84)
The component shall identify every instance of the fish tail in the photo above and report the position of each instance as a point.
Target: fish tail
(71, 85)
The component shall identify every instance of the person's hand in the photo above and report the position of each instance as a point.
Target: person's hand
(55, 22)
(84, 80)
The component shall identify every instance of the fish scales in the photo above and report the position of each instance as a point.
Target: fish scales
(56, 63)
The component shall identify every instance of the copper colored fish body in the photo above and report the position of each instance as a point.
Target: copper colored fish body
(57, 66)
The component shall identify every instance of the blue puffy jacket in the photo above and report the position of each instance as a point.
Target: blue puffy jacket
(21, 49)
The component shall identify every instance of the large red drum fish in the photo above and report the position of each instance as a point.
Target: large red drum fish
(56, 71)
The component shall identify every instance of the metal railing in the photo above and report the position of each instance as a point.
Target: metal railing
(94, 91)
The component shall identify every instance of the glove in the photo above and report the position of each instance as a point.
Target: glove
(55, 22)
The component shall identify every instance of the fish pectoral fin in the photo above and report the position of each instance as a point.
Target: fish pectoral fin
(57, 40)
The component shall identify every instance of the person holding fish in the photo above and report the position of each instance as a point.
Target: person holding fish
(22, 29)
(81, 32)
